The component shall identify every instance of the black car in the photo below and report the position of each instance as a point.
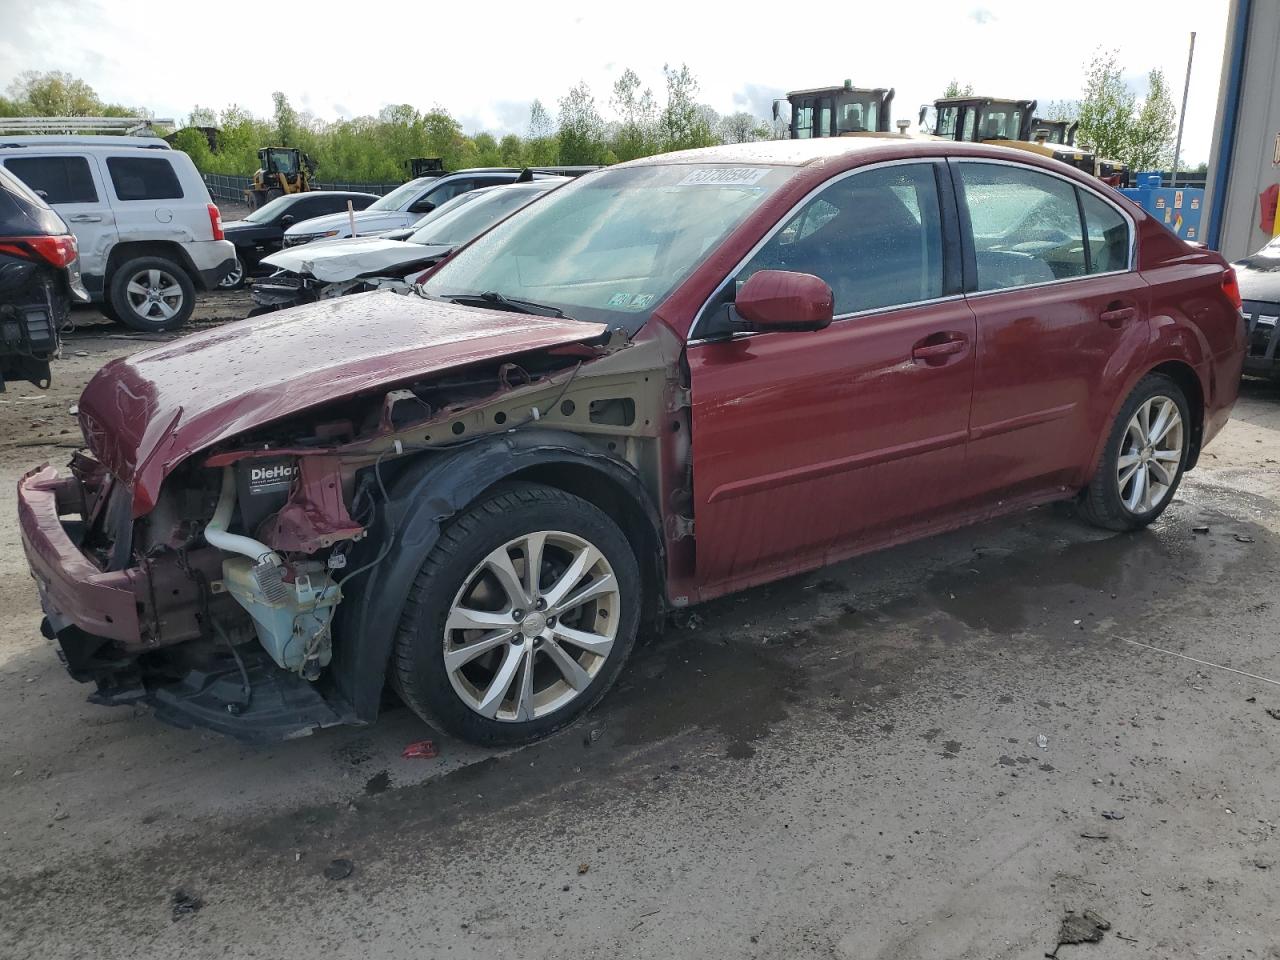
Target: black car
(39, 279)
(261, 233)
(1259, 279)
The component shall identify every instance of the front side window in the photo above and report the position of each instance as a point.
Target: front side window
(1026, 225)
(610, 246)
(60, 179)
(824, 117)
(948, 117)
(1001, 122)
(1108, 233)
(143, 178)
(401, 196)
(857, 116)
(874, 237)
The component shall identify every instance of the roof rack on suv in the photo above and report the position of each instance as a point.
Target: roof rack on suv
(128, 126)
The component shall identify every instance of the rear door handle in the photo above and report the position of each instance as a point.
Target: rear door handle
(937, 350)
(85, 218)
(1115, 316)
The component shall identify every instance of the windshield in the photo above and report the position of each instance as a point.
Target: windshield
(857, 115)
(400, 197)
(610, 246)
(270, 210)
(467, 221)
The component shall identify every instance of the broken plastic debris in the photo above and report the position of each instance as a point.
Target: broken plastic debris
(1112, 815)
(1042, 741)
(583, 868)
(1084, 927)
(422, 750)
(183, 903)
(339, 869)
(1199, 529)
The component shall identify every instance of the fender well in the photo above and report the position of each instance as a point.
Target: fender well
(1185, 377)
(429, 490)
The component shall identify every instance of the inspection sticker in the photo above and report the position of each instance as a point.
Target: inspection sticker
(724, 176)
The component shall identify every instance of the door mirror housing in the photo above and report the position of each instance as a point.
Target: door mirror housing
(785, 300)
(288, 220)
(422, 206)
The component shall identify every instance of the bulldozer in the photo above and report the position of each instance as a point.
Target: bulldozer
(1008, 123)
(281, 171)
(836, 111)
(1054, 131)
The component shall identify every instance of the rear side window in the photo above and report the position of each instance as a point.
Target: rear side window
(1108, 234)
(1026, 225)
(61, 179)
(143, 178)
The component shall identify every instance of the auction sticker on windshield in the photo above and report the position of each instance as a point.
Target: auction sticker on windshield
(724, 176)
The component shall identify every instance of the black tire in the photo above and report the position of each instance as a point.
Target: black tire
(150, 319)
(507, 513)
(235, 279)
(1102, 503)
(107, 310)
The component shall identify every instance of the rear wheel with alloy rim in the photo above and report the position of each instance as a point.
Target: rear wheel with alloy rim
(152, 293)
(1144, 459)
(521, 617)
(233, 279)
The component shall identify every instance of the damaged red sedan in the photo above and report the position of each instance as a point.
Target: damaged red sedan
(669, 380)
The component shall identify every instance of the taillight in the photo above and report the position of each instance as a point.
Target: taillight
(1232, 289)
(56, 251)
(215, 221)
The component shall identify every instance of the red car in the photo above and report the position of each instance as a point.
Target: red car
(669, 380)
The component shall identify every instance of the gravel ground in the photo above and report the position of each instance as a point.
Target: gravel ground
(937, 751)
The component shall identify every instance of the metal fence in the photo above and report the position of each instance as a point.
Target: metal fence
(228, 189)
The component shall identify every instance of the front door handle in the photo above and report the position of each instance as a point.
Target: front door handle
(1115, 315)
(85, 218)
(932, 348)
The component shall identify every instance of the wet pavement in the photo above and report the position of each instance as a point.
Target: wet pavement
(936, 751)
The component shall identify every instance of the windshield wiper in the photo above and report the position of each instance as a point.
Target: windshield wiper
(491, 298)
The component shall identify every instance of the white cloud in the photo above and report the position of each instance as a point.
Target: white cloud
(170, 57)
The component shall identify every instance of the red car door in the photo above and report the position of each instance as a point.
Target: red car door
(807, 444)
(1058, 313)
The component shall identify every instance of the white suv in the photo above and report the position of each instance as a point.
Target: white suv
(148, 232)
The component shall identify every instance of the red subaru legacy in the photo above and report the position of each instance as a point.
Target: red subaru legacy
(666, 381)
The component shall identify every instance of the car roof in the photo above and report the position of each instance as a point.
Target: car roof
(858, 149)
(294, 197)
(82, 141)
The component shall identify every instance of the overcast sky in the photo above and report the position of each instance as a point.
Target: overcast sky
(485, 62)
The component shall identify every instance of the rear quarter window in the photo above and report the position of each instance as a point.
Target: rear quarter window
(143, 178)
(60, 179)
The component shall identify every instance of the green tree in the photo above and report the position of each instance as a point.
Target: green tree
(955, 90)
(541, 148)
(1151, 141)
(637, 134)
(1106, 112)
(683, 124)
(742, 127)
(581, 128)
(286, 128)
(54, 93)
(511, 151)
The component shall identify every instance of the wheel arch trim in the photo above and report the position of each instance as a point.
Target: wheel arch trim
(422, 499)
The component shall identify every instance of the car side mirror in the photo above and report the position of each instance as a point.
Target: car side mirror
(785, 300)
(288, 220)
(422, 206)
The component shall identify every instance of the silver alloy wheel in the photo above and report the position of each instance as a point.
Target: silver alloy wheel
(518, 646)
(1150, 454)
(154, 294)
(232, 279)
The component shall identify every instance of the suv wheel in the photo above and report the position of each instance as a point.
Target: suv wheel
(235, 279)
(1144, 459)
(520, 619)
(152, 293)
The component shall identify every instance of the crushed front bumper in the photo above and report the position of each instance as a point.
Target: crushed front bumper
(127, 630)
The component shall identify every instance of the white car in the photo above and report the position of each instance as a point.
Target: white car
(148, 232)
(405, 205)
(332, 268)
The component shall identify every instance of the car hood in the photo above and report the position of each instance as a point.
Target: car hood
(245, 229)
(347, 259)
(367, 221)
(1259, 276)
(145, 414)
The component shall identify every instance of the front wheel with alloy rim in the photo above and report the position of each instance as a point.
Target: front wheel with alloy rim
(521, 617)
(1144, 459)
(152, 294)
